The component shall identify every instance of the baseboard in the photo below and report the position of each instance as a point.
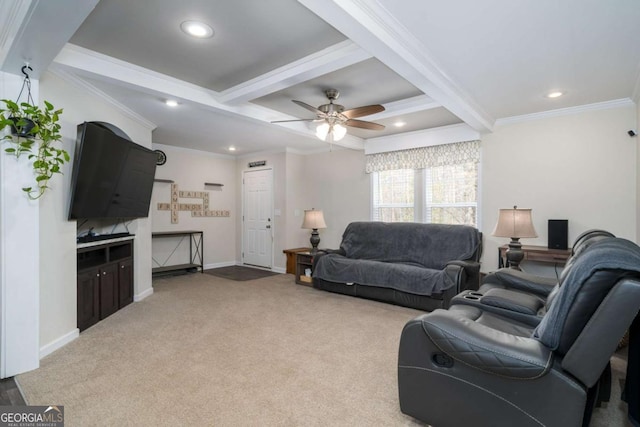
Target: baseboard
(220, 264)
(142, 295)
(279, 270)
(59, 343)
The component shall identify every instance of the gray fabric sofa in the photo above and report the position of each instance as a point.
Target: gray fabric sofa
(415, 265)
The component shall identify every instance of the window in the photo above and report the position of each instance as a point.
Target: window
(451, 194)
(442, 188)
(393, 196)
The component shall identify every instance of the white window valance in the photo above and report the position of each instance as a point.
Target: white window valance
(425, 157)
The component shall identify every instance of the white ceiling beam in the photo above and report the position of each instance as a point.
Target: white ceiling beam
(374, 29)
(12, 14)
(105, 68)
(405, 106)
(34, 35)
(330, 59)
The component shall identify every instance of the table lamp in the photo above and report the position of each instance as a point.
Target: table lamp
(516, 224)
(313, 220)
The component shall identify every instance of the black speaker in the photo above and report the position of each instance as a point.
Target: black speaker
(558, 234)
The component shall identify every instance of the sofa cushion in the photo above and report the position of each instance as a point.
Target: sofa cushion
(426, 245)
(399, 276)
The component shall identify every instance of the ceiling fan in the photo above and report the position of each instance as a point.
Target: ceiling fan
(335, 117)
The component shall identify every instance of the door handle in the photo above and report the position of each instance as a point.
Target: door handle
(268, 226)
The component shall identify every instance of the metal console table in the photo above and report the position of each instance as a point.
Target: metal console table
(196, 248)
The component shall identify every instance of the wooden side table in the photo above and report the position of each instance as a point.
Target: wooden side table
(536, 253)
(304, 261)
(291, 258)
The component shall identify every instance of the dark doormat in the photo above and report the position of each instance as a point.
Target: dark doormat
(240, 273)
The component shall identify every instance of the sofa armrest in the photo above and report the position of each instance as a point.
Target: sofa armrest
(486, 349)
(323, 252)
(471, 274)
(516, 279)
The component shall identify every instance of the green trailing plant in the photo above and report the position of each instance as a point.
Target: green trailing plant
(34, 133)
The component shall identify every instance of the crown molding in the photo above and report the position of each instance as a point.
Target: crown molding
(80, 83)
(606, 105)
(193, 151)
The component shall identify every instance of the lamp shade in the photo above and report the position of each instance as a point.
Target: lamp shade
(313, 219)
(515, 223)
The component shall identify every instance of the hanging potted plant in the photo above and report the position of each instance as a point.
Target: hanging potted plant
(34, 131)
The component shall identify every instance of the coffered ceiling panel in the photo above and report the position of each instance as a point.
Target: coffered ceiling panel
(252, 37)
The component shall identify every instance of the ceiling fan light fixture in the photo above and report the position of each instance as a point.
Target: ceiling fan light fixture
(339, 132)
(323, 130)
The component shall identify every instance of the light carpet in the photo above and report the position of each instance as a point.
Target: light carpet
(204, 350)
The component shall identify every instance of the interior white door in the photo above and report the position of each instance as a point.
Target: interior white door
(257, 222)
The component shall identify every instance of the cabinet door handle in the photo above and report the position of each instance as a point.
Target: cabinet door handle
(98, 275)
(122, 266)
(104, 273)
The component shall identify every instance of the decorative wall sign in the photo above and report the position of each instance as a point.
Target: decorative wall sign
(258, 163)
(196, 209)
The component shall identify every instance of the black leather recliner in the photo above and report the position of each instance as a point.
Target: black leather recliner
(522, 296)
(467, 366)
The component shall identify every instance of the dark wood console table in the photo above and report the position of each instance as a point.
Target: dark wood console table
(196, 248)
(537, 254)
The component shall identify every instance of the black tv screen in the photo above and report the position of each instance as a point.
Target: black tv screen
(112, 176)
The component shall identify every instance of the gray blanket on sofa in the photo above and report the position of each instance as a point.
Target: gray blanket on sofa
(408, 257)
(402, 277)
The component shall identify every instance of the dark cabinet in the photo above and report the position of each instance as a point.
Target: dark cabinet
(88, 298)
(105, 280)
(125, 282)
(108, 290)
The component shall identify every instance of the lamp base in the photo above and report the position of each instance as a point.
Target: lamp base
(315, 240)
(514, 253)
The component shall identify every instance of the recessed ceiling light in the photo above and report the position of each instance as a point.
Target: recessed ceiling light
(232, 148)
(399, 124)
(554, 94)
(171, 102)
(197, 29)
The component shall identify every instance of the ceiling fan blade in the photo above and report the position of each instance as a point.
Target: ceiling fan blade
(296, 120)
(364, 125)
(363, 111)
(309, 107)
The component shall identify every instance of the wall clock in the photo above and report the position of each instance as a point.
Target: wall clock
(162, 158)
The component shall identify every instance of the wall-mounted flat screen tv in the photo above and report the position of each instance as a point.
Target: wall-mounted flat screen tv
(112, 176)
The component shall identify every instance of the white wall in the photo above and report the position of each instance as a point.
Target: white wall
(338, 185)
(190, 169)
(298, 198)
(580, 167)
(58, 235)
(19, 254)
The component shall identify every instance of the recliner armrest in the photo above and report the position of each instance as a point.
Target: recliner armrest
(516, 279)
(486, 349)
(471, 274)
